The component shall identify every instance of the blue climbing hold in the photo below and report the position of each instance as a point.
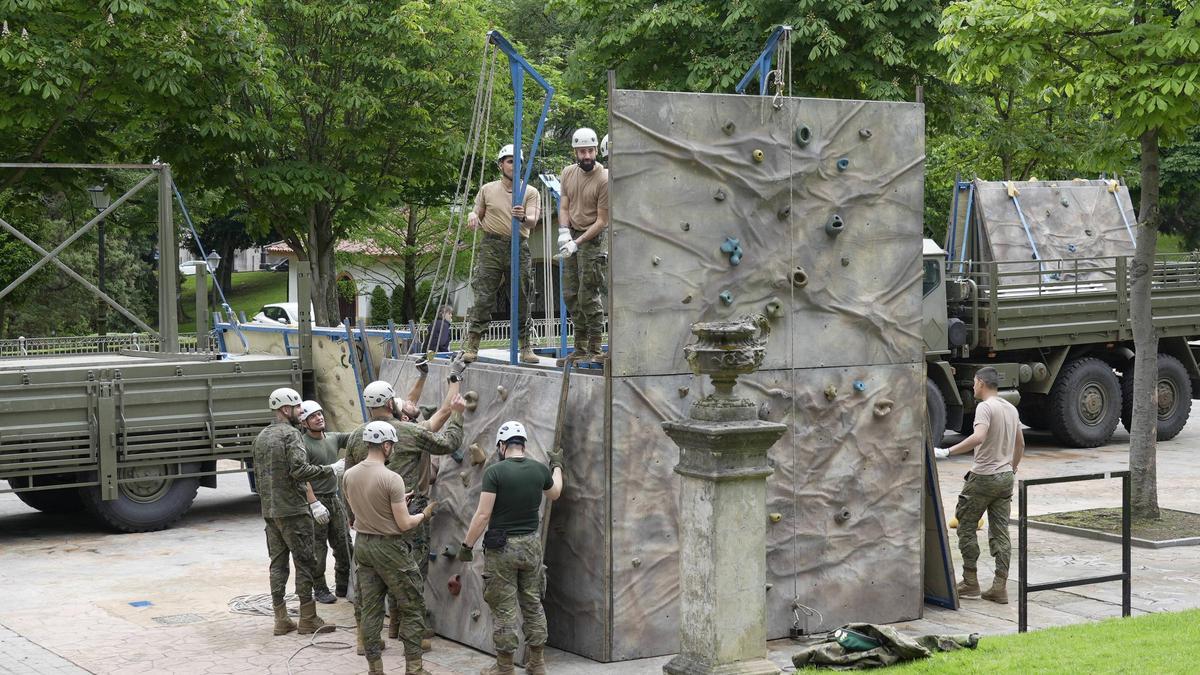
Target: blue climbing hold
(733, 248)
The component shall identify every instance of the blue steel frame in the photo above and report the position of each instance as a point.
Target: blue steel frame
(518, 67)
(762, 65)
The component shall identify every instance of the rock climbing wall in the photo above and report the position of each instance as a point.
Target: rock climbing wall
(824, 200)
(1081, 221)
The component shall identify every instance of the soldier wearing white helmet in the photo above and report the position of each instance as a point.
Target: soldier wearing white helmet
(384, 560)
(494, 213)
(582, 218)
(282, 473)
(508, 509)
(331, 529)
(604, 146)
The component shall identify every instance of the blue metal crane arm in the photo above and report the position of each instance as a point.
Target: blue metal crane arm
(762, 65)
(518, 67)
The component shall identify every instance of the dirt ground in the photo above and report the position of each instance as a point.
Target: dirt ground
(77, 599)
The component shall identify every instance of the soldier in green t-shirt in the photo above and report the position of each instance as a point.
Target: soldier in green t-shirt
(508, 509)
(322, 447)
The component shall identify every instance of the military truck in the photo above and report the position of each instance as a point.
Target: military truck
(1057, 329)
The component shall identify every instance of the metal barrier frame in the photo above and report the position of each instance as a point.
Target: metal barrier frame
(1024, 588)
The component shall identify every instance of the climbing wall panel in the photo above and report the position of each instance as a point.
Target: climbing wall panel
(1083, 221)
(823, 197)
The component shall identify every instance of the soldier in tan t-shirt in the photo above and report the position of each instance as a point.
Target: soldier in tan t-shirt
(582, 219)
(999, 446)
(494, 213)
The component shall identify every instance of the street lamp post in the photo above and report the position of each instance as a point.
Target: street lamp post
(100, 202)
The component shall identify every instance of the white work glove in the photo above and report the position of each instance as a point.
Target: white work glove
(568, 249)
(564, 235)
(339, 467)
(941, 453)
(319, 512)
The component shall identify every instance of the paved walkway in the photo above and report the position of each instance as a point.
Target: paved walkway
(79, 600)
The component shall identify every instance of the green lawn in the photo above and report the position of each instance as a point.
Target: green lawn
(1155, 643)
(1170, 243)
(251, 290)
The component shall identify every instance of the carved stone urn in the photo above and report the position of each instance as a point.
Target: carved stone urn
(723, 350)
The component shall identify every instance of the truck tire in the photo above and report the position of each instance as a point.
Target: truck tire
(935, 412)
(62, 501)
(1085, 404)
(1174, 397)
(1033, 412)
(152, 504)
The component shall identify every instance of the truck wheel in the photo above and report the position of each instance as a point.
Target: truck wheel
(935, 412)
(153, 503)
(1032, 410)
(1174, 397)
(1085, 404)
(65, 500)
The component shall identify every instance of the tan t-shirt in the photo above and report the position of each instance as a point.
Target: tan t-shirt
(995, 454)
(371, 489)
(586, 193)
(495, 198)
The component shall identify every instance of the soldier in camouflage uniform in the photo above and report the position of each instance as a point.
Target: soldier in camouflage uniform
(411, 460)
(494, 213)
(512, 573)
(322, 448)
(382, 553)
(281, 471)
(583, 214)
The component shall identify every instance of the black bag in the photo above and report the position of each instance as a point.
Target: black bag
(495, 540)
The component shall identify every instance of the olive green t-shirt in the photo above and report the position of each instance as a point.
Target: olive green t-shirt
(586, 193)
(495, 198)
(518, 483)
(324, 451)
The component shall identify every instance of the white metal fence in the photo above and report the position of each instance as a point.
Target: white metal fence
(92, 344)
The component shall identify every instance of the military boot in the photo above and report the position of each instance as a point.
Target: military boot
(283, 623)
(535, 660)
(527, 355)
(969, 586)
(375, 666)
(323, 596)
(309, 621)
(471, 351)
(999, 591)
(414, 666)
(502, 666)
(426, 645)
(596, 353)
(341, 590)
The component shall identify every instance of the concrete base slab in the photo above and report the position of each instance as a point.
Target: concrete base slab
(682, 665)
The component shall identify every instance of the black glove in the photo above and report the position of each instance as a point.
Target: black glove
(423, 364)
(465, 554)
(457, 367)
(555, 457)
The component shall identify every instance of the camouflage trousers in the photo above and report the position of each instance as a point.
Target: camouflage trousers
(993, 495)
(385, 566)
(291, 536)
(418, 541)
(584, 287)
(493, 257)
(512, 580)
(332, 535)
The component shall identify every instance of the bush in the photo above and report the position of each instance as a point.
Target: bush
(381, 307)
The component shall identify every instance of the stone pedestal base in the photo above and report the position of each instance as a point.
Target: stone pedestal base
(684, 665)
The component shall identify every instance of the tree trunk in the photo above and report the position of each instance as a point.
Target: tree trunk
(321, 247)
(1144, 428)
(410, 265)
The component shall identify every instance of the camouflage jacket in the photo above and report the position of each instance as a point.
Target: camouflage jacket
(281, 469)
(410, 457)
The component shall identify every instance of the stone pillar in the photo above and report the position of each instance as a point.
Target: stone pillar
(723, 509)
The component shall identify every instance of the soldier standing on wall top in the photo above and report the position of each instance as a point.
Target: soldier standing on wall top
(508, 508)
(282, 472)
(383, 556)
(331, 526)
(493, 213)
(989, 484)
(582, 219)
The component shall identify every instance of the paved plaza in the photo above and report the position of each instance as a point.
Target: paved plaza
(77, 599)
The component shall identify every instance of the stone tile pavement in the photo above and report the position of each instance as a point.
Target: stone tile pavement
(68, 587)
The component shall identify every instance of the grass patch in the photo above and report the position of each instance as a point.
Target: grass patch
(1156, 643)
(250, 291)
(1170, 243)
(1172, 525)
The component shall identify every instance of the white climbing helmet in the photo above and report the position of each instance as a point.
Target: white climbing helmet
(583, 138)
(309, 407)
(604, 146)
(378, 393)
(507, 151)
(510, 430)
(283, 396)
(379, 431)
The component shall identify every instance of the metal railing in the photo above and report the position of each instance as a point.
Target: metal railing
(96, 344)
(545, 332)
(1073, 275)
(1024, 588)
